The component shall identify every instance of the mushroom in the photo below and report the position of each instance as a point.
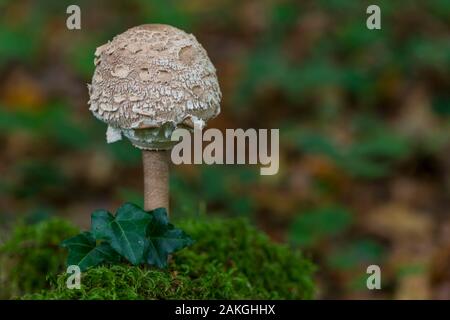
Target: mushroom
(149, 81)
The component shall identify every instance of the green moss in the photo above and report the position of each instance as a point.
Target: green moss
(230, 260)
(31, 253)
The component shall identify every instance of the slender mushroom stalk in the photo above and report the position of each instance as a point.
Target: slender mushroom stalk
(156, 179)
(149, 81)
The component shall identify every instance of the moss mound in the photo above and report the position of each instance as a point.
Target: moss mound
(230, 260)
(31, 253)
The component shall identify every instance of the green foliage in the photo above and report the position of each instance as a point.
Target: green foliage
(126, 232)
(16, 44)
(53, 124)
(359, 252)
(131, 195)
(163, 239)
(38, 178)
(167, 11)
(353, 259)
(230, 260)
(311, 227)
(21, 41)
(31, 253)
(124, 152)
(58, 126)
(216, 185)
(80, 56)
(133, 234)
(372, 154)
(441, 105)
(84, 251)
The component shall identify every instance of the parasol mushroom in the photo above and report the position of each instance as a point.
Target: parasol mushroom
(149, 81)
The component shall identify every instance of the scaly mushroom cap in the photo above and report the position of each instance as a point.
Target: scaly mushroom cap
(151, 79)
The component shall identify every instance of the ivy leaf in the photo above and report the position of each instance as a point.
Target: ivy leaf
(126, 232)
(164, 239)
(84, 252)
(134, 234)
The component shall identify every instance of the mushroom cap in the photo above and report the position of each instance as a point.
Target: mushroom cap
(153, 76)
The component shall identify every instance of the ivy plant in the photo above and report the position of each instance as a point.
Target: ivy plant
(133, 235)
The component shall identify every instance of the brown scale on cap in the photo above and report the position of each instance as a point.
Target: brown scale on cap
(152, 75)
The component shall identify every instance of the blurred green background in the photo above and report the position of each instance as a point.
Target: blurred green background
(364, 119)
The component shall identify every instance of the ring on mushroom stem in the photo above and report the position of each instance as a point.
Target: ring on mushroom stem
(149, 81)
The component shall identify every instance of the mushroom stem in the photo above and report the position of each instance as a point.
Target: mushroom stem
(156, 179)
